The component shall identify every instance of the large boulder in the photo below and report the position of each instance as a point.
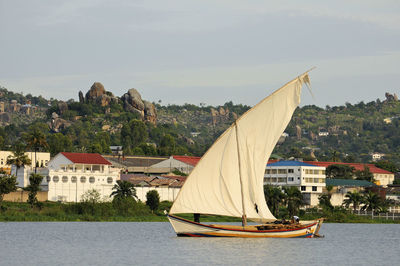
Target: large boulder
(150, 113)
(59, 124)
(63, 107)
(133, 99)
(95, 91)
(81, 98)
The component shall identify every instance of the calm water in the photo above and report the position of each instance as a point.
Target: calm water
(156, 244)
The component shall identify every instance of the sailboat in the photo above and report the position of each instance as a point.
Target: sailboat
(228, 180)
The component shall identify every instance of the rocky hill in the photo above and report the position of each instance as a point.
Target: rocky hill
(99, 119)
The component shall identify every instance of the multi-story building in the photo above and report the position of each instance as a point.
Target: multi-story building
(42, 159)
(70, 175)
(310, 179)
(381, 176)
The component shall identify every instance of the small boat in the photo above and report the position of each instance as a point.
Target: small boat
(229, 178)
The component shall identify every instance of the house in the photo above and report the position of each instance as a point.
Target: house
(167, 187)
(185, 164)
(376, 156)
(42, 159)
(137, 164)
(310, 179)
(381, 176)
(340, 187)
(70, 175)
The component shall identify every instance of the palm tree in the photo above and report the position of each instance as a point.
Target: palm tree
(36, 140)
(293, 199)
(18, 158)
(123, 189)
(353, 198)
(274, 197)
(372, 202)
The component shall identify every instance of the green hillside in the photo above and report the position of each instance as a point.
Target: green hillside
(100, 119)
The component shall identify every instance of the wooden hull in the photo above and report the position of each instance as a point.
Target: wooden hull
(185, 227)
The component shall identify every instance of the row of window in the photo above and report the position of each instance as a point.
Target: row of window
(279, 171)
(41, 163)
(314, 180)
(279, 179)
(303, 188)
(82, 179)
(314, 172)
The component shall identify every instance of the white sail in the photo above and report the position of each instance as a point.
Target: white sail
(216, 184)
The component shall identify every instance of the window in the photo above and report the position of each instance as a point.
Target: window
(267, 171)
(282, 180)
(83, 179)
(303, 188)
(48, 179)
(64, 179)
(55, 179)
(2, 162)
(314, 188)
(290, 179)
(281, 171)
(273, 171)
(73, 179)
(109, 180)
(323, 172)
(92, 179)
(290, 171)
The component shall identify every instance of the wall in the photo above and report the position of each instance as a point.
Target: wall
(22, 196)
(166, 193)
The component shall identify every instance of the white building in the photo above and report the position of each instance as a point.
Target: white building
(41, 157)
(310, 179)
(185, 164)
(70, 175)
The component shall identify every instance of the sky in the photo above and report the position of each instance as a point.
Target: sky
(207, 51)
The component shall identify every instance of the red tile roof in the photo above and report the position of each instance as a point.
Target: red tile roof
(85, 158)
(187, 159)
(357, 166)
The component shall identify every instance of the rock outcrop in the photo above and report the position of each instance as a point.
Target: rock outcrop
(221, 115)
(81, 98)
(95, 91)
(133, 103)
(58, 124)
(63, 107)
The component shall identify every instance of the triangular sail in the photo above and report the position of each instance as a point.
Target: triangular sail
(214, 186)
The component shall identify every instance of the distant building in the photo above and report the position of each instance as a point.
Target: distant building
(376, 156)
(137, 164)
(70, 175)
(308, 178)
(167, 187)
(323, 134)
(185, 164)
(381, 176)
(342, 186)
(42, 158)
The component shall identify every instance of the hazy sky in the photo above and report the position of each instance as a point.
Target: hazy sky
(201, 51)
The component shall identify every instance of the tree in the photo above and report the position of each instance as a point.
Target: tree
(340, 171)
(133, 134)
(325, 199)
(36, 139)
(273, 196)
(387, 165)
(152, 200)
(365, 174)
(167, 145)
(18, 157)
(33, 188)
(8, 183)
(372, 202)
(123, 189)
(92, 196)
(59, 143)
(293, 199)
(353, 198)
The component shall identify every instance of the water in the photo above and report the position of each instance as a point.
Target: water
(109, 243)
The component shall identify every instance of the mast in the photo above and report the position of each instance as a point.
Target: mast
(244, 218)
